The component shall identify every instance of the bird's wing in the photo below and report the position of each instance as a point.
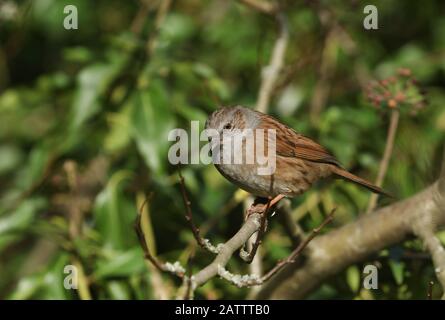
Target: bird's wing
(292, 144)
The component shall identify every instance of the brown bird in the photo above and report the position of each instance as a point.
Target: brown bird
(299, 161)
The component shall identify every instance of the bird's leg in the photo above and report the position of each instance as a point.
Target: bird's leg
(277, 199)
(262, 209)
(258, 207)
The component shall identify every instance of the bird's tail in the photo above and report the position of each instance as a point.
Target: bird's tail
(342, 173)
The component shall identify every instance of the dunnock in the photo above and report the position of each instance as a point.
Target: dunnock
(299, 161)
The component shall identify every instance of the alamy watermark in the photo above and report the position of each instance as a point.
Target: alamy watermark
(70, 21)
(226, 147)
(70, 282)
(370, 281)
(371, 20)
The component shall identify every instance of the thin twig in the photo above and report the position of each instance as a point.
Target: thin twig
(138, 22)
(210, 224)
(175, 268)
(250, 226)
(261, 6)
(429, 295)
(292, 228)
(161, 288)
(271, 72)
(189, 286)
(384, 163)
(164, 6)
(297, 251)
(423, 227)
(76, 216)
(248, 257)
(254, 280)
(203, 243)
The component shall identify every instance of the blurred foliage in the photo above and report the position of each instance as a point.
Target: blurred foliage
(85, 114)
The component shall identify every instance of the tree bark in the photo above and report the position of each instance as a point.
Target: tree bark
(331, 253)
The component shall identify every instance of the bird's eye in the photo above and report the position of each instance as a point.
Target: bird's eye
(228, 126)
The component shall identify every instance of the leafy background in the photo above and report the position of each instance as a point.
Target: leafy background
(85, 114)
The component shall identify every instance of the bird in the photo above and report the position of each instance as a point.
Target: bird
(299, 160)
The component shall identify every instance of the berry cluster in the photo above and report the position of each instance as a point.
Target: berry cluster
(400, 91)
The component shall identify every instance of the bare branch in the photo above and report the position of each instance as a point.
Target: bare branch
(384, 163)
(174, 268)
(271, 72)
(424, 228)
(225, 251)
(429, 295)
(292, 228)
(164, 6)
(261, 6)
(255, 280)
(353, 242)
(300, 248)
(138, 22)
(203, 243)
(248, 257)
(188, 281)
(250, 226)
(441, 182)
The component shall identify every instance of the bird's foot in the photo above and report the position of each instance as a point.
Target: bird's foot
(261, 208)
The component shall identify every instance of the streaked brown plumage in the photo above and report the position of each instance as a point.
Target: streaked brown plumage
(299, 160)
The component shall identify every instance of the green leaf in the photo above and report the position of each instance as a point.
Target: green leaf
(35, 168)
(53, 280)
(109, 212)
(22, 216)
(118, 136)
(441, 237)
(176, 27)
(123, 264)
(77, 54)
(47, 284)
(118, 290)
(398, 270)
(11, 156)
(152, 121)
(91, 82)
(20, 219)
(26, 287)
(353, 278)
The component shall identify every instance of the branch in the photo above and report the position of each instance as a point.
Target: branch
(354, 242)
(248, 256)
(271, 72)
(254, 280)
(437, 252)
(424, 228)
(271, 202)
(138, 22)
(187, 283)
(226, 251)
(261, 6)
(164, 6)
(384, 163)
(256, 220)
(292, 228)
(203, 243)
(429, 294)
(174, 268)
